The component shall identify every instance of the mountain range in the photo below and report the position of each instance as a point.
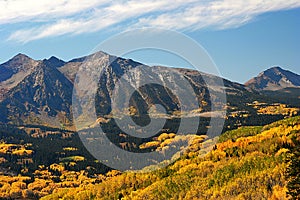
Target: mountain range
(40, 91)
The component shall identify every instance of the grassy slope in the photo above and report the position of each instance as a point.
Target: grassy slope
(247, 163)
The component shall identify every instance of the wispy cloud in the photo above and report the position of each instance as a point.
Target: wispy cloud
(13, 11)
(53, 18)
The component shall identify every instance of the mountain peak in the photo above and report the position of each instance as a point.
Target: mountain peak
(96, 54)
(53, 58)
(275, 68)
(274, 78)
(54, 62)
(19, 66)
(19, 62)
(21, 57)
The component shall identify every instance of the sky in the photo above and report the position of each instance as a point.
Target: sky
(243, 38)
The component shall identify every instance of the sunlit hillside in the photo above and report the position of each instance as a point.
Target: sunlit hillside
(247, 163)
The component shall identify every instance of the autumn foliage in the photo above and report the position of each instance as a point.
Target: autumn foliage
(247, 163)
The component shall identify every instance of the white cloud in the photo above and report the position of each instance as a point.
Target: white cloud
(219, 14)
(13, 11)
(83, 16)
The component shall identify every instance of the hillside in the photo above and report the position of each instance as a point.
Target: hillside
(247, 163)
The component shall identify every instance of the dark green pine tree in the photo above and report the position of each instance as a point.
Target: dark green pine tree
(293, 171)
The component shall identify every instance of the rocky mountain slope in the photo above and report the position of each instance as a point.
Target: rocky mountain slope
(40, 91)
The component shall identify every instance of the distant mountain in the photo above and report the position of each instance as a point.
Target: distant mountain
(273, 79)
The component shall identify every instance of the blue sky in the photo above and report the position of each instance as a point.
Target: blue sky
(242, 37)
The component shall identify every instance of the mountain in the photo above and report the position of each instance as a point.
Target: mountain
(14, 71)
(54, 62)
(40, 95)
(19, 63)
(273, 79)
(40, 91)
(169, 83)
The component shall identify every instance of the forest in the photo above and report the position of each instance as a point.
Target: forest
(250, 162)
